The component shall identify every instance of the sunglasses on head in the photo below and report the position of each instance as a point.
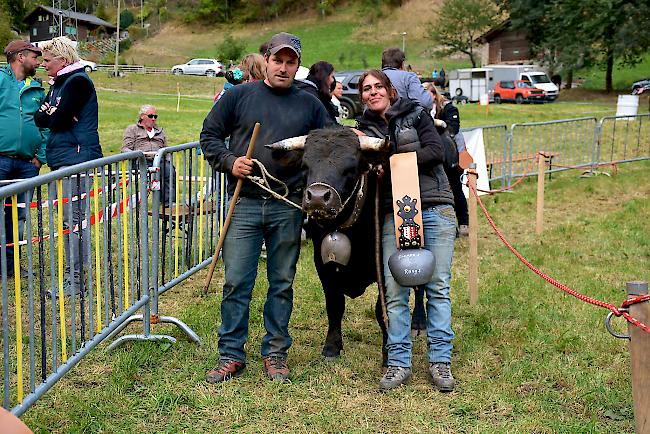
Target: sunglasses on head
(152, 116)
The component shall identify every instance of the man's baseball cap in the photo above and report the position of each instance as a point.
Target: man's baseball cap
(284, 40)
(20, 45)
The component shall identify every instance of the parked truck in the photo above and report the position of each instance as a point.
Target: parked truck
(474, 82)
(532, 73)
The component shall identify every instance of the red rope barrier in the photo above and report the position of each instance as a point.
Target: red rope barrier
(622, 311)
(517, 182)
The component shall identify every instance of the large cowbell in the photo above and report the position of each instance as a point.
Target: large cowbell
(336, 247)
(412, 267)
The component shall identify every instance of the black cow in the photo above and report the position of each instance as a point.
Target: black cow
(340, 196)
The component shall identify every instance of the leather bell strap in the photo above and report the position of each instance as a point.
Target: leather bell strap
(407, 206)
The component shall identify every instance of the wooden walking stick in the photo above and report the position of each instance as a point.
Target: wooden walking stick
(231, 210)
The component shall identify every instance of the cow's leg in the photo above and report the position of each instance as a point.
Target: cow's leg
(419, 318)
(384, 333)
(335, 307)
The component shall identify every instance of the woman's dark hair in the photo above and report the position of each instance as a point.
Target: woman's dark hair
(383, 79)
(318, 74)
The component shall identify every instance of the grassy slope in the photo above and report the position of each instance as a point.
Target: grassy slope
(346, 39)
(527, 358)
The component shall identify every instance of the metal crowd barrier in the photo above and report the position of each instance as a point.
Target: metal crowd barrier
(497, 151)
(188, 209)
(84, 276)
(623, 138)
(568, 143)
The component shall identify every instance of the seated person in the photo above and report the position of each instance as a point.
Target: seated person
(148, 137)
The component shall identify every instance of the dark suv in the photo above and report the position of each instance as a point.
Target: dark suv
(350, 102)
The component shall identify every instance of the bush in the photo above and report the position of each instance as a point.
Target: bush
(231, 49)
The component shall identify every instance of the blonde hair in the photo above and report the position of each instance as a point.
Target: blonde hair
(62, 48)
(439, 98)
(253, 67)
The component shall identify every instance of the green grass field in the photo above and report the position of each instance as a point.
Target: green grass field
(527, 358)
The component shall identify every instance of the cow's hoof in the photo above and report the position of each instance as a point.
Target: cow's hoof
(330, 359)
(330, 354)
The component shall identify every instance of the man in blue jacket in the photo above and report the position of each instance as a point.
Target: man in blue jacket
(406, 83)
(22, 143)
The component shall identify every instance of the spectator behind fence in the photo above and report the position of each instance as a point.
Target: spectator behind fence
(70, 112)
(22, 143)
(146, 136)
(406, 83)
(283, 111)
(337, 93)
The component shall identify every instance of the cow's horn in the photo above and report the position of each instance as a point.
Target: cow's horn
(290, 144)
(371, 143)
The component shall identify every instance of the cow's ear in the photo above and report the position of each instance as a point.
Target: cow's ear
(290, 144)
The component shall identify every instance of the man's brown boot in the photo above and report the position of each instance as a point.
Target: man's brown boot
(225, 370)
(275, 367)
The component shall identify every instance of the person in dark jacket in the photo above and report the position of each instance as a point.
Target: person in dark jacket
(70, 112)
(446, 116)
(283, 111)
(410, 128)
(321, 83)
(22, 143)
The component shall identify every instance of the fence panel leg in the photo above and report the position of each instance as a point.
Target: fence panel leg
(639, 356)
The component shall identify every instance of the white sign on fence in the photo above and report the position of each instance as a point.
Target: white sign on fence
(476, 148)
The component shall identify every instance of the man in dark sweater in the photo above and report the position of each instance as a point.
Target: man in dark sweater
(283, 111)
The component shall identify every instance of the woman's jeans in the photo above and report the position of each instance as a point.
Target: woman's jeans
(439, 234)
(279, 225)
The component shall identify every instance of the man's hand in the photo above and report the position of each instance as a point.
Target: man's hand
(242, 167)
(47, 108)
(440, 123)
(36, 163)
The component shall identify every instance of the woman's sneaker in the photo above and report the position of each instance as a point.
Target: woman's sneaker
(394, 377)
(441, 376)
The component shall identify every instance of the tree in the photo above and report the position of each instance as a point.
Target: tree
(572, 34)
(5, 26)
(126, 18)
(460, 23)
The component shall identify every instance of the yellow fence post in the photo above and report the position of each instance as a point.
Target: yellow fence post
(17, 283)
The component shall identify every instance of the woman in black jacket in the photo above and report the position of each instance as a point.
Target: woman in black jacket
(445, 111)
(321, 82)
(410, 128)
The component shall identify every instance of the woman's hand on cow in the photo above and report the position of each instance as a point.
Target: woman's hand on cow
(242, 167)
(357, 132)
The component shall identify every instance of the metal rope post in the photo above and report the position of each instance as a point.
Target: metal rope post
(639, 356)
(473, 237)
(539, 224)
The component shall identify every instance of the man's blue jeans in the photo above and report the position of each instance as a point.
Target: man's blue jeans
(439, 235)
(13, 168)
(279, 225)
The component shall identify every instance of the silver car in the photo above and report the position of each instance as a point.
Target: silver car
(207, 67)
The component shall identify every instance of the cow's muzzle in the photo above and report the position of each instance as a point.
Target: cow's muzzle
(322, 201)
